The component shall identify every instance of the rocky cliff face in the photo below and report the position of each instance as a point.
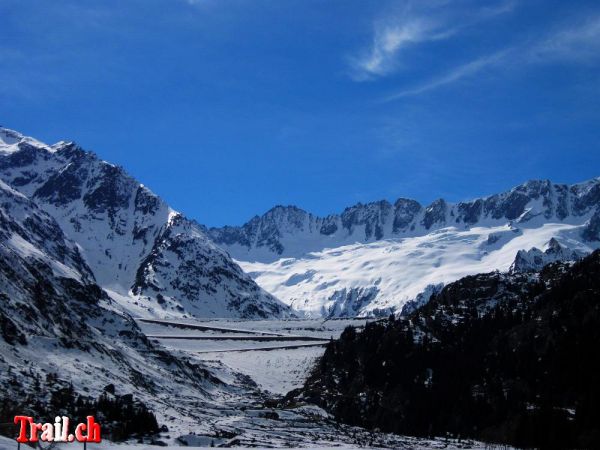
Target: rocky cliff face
(534, 259)
(149, 257)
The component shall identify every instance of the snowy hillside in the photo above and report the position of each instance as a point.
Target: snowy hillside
(57, 325)
(373, 259)
(151, 259)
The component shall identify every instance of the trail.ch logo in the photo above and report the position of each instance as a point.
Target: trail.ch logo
(29, 430)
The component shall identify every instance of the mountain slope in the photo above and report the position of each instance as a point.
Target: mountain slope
(503, 357)
(57, 325)
(150, 258)
(373, 259)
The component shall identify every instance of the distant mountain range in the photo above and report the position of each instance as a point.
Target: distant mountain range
(149, 258)
(374, 258)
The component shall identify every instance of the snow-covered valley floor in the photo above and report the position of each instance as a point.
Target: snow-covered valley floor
(245, 367)
(275, 354)
(263, 360)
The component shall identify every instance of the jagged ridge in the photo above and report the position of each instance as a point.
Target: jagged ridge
(275, 233)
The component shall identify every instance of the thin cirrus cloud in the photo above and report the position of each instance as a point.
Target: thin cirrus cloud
(577, 43)
(454, 75)
(416, 23)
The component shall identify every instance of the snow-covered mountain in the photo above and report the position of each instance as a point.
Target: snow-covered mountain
(148, 257)
(375, 258)
(57, 325)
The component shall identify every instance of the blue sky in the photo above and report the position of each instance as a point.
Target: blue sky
(228, 107)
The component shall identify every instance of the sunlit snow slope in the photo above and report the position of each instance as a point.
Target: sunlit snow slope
(373, 259)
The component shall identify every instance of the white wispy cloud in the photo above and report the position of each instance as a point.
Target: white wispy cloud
(579, 42)
(576, 43)
(453, 75)
(413, 24)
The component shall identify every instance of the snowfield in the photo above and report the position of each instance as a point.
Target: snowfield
(379, 277)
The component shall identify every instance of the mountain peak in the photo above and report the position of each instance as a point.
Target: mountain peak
(281, 209)
(151, 259)
(554, 245)
(11, 141)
